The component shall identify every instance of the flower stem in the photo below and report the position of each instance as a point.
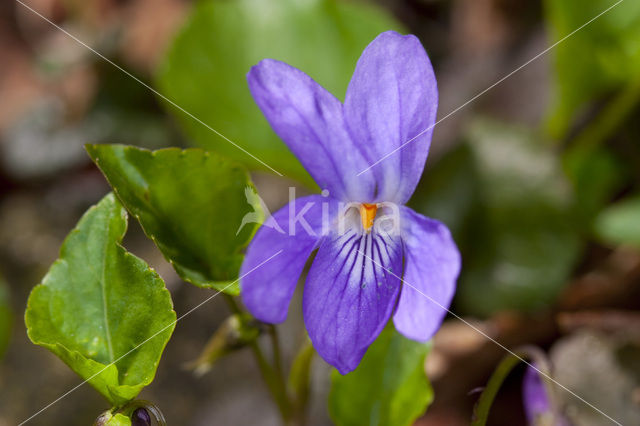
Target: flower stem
(504, 368)
(277, 357)
(300, 380)
(275, 384)
(270, 374)
(233, 305)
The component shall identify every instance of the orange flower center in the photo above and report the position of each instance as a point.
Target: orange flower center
(367, 215)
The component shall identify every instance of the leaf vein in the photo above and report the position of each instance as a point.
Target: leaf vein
(105, 315)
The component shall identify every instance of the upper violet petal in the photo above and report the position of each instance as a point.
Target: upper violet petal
(277, 254)
(432, 265)
(310, 121)
(350, 294)
(393, 98)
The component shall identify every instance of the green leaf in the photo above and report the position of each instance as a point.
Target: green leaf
(599, 58)
(204, 71)
(389, 387)
(190, 203)
(102, 310)
(110, 419)
(619, 224)
(118, 420)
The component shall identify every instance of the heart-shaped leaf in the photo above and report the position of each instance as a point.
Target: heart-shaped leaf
(389, 387)
(102, 310)
(190, 203)
(204, 71)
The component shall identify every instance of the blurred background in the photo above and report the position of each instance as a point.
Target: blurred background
(538, 179)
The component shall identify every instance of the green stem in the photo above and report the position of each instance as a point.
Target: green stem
(300, 380)
(277, 357)
(233, 305)
(483, 406)
(275, 384)
(272, 376)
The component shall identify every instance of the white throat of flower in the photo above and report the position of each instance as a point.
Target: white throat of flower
(365, 218)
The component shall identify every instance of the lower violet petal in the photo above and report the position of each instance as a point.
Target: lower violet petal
(350, 294)
(277, 254)
(432, 265)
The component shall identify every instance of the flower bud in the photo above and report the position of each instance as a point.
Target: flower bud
(140, 417)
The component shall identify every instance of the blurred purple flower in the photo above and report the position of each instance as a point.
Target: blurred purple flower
(537, 404)
(353, 286)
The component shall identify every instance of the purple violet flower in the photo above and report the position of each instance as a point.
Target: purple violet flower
(366, 239)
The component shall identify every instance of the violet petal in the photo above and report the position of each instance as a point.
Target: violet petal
(267, 285)
(310, 121)
(432, 265)
(348, 298)
(392, 98)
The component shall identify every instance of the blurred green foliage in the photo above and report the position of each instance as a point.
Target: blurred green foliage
(596, 175)
(389, 387)
(597, 60)
(190, 203)
(124, 111)
(619, 224)
(205, 69)
(510, 208)
(98, 302)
